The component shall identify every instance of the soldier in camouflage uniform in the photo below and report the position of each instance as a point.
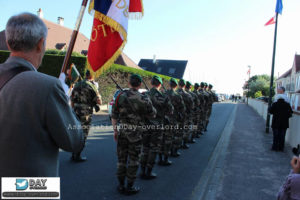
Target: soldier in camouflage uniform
(130, 109)
(84, 98)
(205, 106)
(200, 109)
(176, 119)
(153, 138)
(213, 98)
(189, 105)
(208, 107)
(194, 112)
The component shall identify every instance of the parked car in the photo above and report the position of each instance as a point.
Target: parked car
(263, 98)
(117, 92)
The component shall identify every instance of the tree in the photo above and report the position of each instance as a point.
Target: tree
(260, 83)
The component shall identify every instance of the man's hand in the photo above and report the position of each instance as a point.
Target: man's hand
(295, 163)
(116, 135)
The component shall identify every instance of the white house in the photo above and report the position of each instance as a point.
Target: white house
(291, 81)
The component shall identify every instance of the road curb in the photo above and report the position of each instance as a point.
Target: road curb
(206, 188)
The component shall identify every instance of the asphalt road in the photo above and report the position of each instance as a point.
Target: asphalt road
(96, 179)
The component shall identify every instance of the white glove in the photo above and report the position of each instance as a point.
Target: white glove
(62, 78)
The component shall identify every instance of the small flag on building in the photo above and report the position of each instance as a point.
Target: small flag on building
(109, 31)
(271, 21)
(279, 7)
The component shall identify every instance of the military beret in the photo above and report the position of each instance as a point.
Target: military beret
(210, 86)
(174, 81)
(196, 85)
(136, 77)
(205, 84)
(188, 84)
(202, 84)
(157, 78)
(181, 82)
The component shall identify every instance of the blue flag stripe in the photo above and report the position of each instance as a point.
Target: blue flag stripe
(102, 6)
(279, 7)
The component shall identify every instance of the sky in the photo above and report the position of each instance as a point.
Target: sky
(219, 38)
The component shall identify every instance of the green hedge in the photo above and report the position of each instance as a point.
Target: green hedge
(52, 64)
(3, 56)
(143, 73)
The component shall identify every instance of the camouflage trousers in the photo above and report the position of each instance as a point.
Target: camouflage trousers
(151, 146)
(166, 142)
(187, 129)
(129, 147)
(178, 136)
(85, 125)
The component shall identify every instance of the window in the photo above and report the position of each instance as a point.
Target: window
(158, 70)
(171, 70)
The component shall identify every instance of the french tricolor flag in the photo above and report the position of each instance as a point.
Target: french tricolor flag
(109, 31)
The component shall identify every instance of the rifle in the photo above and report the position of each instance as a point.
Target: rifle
(145, 85)
(118, 86)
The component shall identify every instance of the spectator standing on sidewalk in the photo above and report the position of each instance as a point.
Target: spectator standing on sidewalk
(281, 111)
(290, 190)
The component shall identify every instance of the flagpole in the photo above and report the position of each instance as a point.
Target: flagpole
(272, 75)
(74, 37)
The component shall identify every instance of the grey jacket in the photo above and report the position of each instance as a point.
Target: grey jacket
(35, 121)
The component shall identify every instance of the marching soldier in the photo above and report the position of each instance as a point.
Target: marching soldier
(189, 104)
(84, 98)
(194, 112)
(131, 108)
(177, 117)
(152, 139)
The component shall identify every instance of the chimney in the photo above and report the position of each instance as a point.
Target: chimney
(40, 13)
(60, 21)
(154, 59)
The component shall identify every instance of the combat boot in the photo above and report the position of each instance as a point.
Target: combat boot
(143, 173)
(185, 146)
(192, 140)
(167, 162)
(150, 174)
(79, 158)
(160, 162)
(130, 190)
(175, 153)
(121, 187)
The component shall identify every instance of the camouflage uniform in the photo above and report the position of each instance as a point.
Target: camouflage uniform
(199, 110)
(176, 119)
(130, 108)
(194, 112)
(213, 98)
(84, 98)
(152, 139)
(205, 107)
(189, 105)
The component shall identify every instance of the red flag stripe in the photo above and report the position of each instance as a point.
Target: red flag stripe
(271, 21)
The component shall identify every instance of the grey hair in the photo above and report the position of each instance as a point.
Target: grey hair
(24, 31)
(282, 88)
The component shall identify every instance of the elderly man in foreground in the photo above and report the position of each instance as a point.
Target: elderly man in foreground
(35, 117)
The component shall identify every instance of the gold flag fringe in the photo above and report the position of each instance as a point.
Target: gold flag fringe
(108, 63)
(112, 23)
(91, 6)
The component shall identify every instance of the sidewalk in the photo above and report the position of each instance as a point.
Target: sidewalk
(249, 169)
